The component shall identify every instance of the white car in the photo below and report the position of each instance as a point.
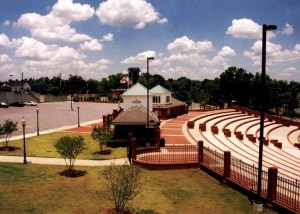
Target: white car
(31, 103)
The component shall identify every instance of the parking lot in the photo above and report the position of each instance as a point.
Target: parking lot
(55, 115)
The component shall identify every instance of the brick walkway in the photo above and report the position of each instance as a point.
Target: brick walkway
(173, 130)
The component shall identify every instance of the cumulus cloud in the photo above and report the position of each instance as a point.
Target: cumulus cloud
(108, 37)
(135, 13)
(288, 73)
(246, 29)
(184, 44)
(226, 52)
(274, 53)
(140, 58)
(4, 41)
(56, 24)
(288, 29)
(6, 23)
(4, 58)
(31, 49)
(92, 45)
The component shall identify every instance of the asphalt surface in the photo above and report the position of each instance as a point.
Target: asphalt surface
(55, 115)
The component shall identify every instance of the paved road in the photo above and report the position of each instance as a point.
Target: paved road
(55, 115)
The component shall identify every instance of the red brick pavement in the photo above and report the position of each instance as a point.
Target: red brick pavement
(171, 130)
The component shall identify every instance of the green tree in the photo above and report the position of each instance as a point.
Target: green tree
(235, 85)
(6, 130)
(102, 134)
(122, 183)
(69, 148)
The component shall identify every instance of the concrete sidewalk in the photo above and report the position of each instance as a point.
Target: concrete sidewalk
(61, 161)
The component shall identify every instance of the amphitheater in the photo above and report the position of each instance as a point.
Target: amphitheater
(238, 131)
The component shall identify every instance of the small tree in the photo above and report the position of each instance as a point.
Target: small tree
(69, 148)
(6, 130)
(122, 182)
(102, 134)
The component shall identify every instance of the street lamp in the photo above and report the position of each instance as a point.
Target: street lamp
(23, 122)
(37, 121)
(262, 110)
(78, 115)
(148, 59)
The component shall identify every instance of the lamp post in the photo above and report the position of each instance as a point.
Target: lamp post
(148, 59)
(23, 122)
(37, 121)
(262, 110)
(78, 107)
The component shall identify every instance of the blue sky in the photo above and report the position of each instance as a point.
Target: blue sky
(197, 39)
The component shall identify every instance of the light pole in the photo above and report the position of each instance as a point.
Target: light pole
(37, 121)
(262, 108)
(23, 122)
(78, 107)
(148, 59)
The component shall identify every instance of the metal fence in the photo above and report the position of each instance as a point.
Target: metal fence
(169, 154)
(213, 159)
(288, 192)
(245, 175)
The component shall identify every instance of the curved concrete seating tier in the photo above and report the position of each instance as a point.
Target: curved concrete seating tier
(244, 149)
(247, 152)
(293, 136)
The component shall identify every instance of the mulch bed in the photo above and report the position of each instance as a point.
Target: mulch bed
(9, 148)
(105, 152)
(73, 173)
(113, 211)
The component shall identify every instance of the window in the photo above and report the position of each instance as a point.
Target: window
(168, 99)
(156, 99)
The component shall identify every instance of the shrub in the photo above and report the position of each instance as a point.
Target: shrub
(121, 182)
(69, 148)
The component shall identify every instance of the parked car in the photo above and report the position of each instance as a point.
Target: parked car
(31, 103)
(17, 104)
(3, 105)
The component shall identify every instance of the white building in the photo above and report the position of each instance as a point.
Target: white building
(137, 95)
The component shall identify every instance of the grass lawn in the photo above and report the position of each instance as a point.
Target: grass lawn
(42, 146)
(40, 189)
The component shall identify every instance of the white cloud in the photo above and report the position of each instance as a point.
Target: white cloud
(288, 29)
(4, 59)
(135, 13)
(226, 52)
(246, 29)
(297, 47)
(288, 73)
(31, 49)
(184, 44)
(4, 41)
(108, 37)
(56, 24)
(141, 58)
(68, 11)
(6, 23)
(274, 54)
(92, 45)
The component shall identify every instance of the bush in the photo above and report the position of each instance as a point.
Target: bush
(121, 182)
(69, 148)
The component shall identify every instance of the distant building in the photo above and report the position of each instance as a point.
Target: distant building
(16, 86)
(136, 95)
(164, 105)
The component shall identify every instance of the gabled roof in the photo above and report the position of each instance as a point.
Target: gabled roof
(135, 115)
(136, 90)
(160, 90)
